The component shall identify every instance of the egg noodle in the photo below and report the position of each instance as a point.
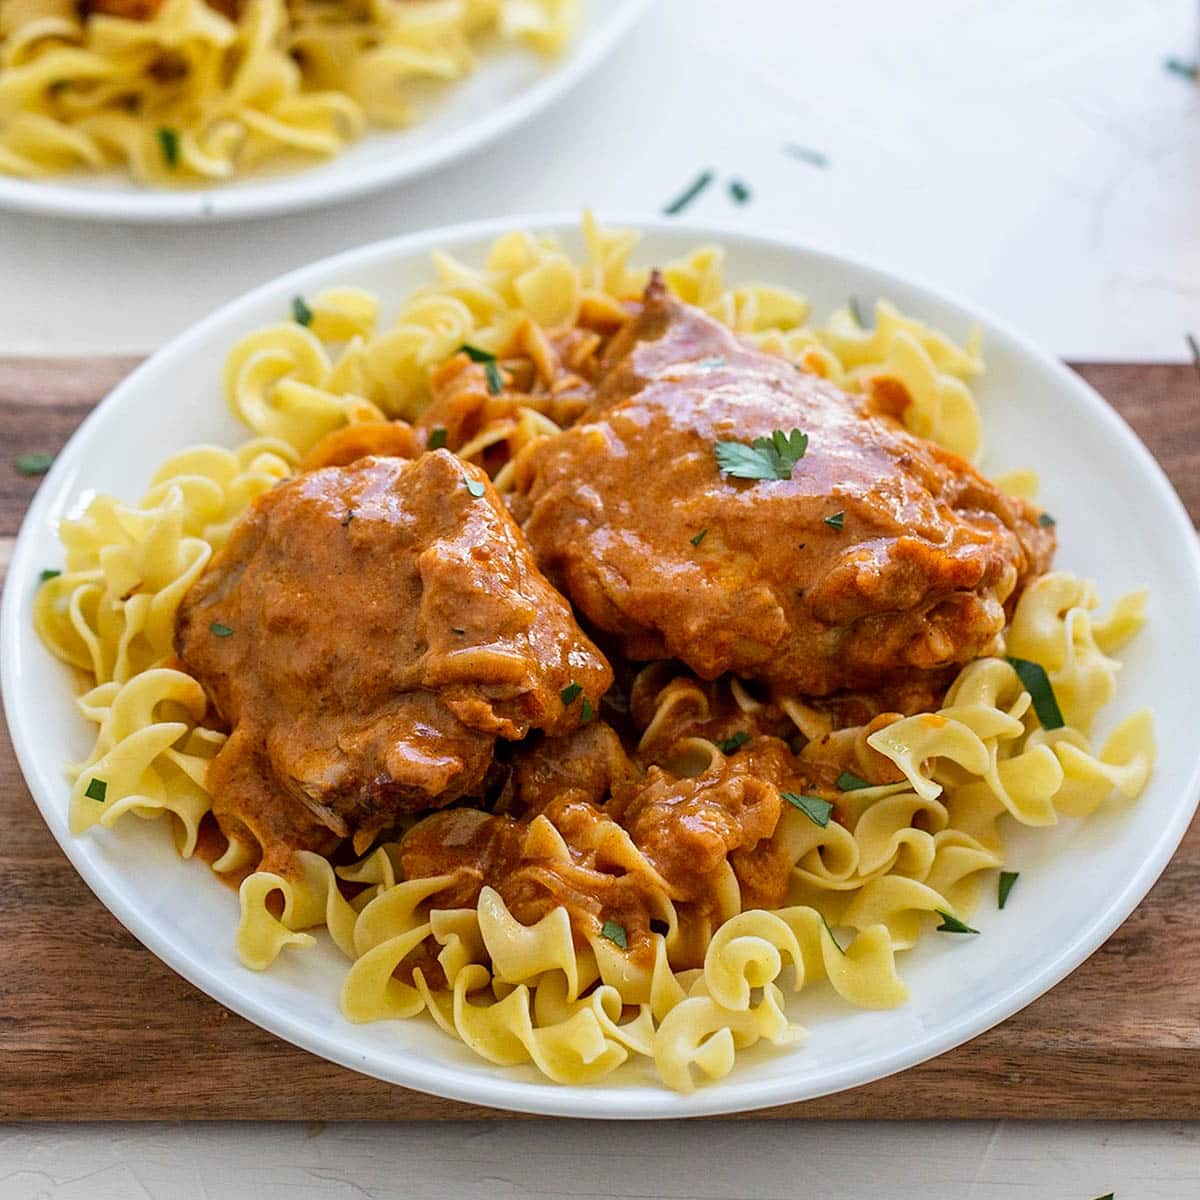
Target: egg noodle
(197, 91)
(903, 857)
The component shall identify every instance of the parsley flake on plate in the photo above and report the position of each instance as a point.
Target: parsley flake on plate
(813, 807)
(301, 313)
(168, 143)
(951, 924)
(1037, 683)
(764, 458)
(847, 781)
(615, 932)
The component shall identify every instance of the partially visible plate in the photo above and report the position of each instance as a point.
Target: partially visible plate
(1119, 521)
(507, 87)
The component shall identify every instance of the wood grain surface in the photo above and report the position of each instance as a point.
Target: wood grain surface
(93, 1026)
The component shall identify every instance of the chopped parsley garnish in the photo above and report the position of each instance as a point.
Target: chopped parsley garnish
(348, 517)
(1194, 347)
(688, 194)
(764, 458)
(491, 372)
(698, 537)
(1007, 879)
(1046, 521)
(34, 464)
(847, 781)
(475, 486)
(951, 924)
(814, 158)
(570, 692)
(97, 789)
(1037, 683)
(731, 744)
(829, 930)
(615, 933)
(48, 573)
(1189, 70)
(738, 191)
(437, 439)
(586, 712)
(168, 143)
(301, 312)
(856, 312)
(836, 521)
(813, 807)
(220, 630)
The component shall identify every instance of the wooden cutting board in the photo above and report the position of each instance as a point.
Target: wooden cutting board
(93, 1026)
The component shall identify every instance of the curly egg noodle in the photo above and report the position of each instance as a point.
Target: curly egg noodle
(203, 90)
(900, 858)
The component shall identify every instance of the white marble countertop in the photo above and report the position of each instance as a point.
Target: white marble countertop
(1032, 156)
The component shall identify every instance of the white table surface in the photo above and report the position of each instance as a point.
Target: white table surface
(1032, 156)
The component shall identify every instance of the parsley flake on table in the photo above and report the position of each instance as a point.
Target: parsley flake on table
(813, 807)
(34, 464)
(688, 194)
(806, 154)
(764, 458)
(615, 932)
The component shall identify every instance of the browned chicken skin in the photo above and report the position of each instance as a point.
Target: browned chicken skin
(369, 631)
(881, 555)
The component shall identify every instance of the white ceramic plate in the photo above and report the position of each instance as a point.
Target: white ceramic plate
(1119, 521)
(508, 86)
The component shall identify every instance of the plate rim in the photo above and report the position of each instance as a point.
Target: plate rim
(295, 191)
(592, 1101)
